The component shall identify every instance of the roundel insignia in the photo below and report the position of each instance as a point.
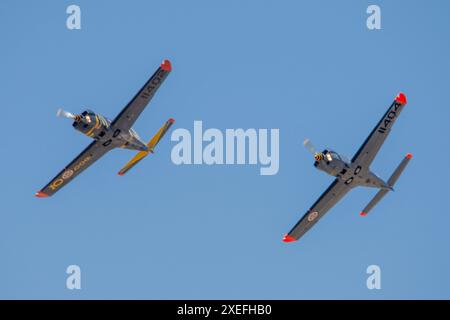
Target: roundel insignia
(313, 215)
(67, 174)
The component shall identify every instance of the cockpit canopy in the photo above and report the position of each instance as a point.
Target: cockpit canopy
(334, 155)
(331, 155)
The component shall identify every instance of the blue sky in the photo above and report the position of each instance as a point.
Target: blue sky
(310, 68)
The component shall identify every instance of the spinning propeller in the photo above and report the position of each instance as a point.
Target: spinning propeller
(312, 149)
(67, 114)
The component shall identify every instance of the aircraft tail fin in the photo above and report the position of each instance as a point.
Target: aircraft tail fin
(151, 146)
(394, 177)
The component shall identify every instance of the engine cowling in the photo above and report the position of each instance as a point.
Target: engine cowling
(91, 124)
(330, 162)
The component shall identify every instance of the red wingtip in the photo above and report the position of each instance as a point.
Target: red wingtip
(363, 214)
(41, 194)
(165, 65)
(120, 173)
(409, 155)
(171, 120)
(401, 98)
(288, 238)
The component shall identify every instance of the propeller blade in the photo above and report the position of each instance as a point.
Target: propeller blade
(309, 146)
(65, 114)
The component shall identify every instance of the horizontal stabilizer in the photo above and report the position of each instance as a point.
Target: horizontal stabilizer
(380, 194)
(394, 177)
(399, 170)
(151, 146)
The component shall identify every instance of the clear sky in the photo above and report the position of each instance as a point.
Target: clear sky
(310, 68)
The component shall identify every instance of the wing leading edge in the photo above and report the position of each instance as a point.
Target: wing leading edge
(326, 201)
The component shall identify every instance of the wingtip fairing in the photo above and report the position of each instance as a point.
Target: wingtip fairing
(401, 98)
(41, 194)
(288, 238)
(166, 65)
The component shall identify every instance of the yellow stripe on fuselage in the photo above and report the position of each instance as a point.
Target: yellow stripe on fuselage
(96, 126)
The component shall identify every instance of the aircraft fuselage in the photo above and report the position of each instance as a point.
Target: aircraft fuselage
(99, 128)
(353, 175)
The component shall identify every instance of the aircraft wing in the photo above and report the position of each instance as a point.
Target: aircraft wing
(326, 201)
(126, 118)
(89, 155)
(369, 149)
